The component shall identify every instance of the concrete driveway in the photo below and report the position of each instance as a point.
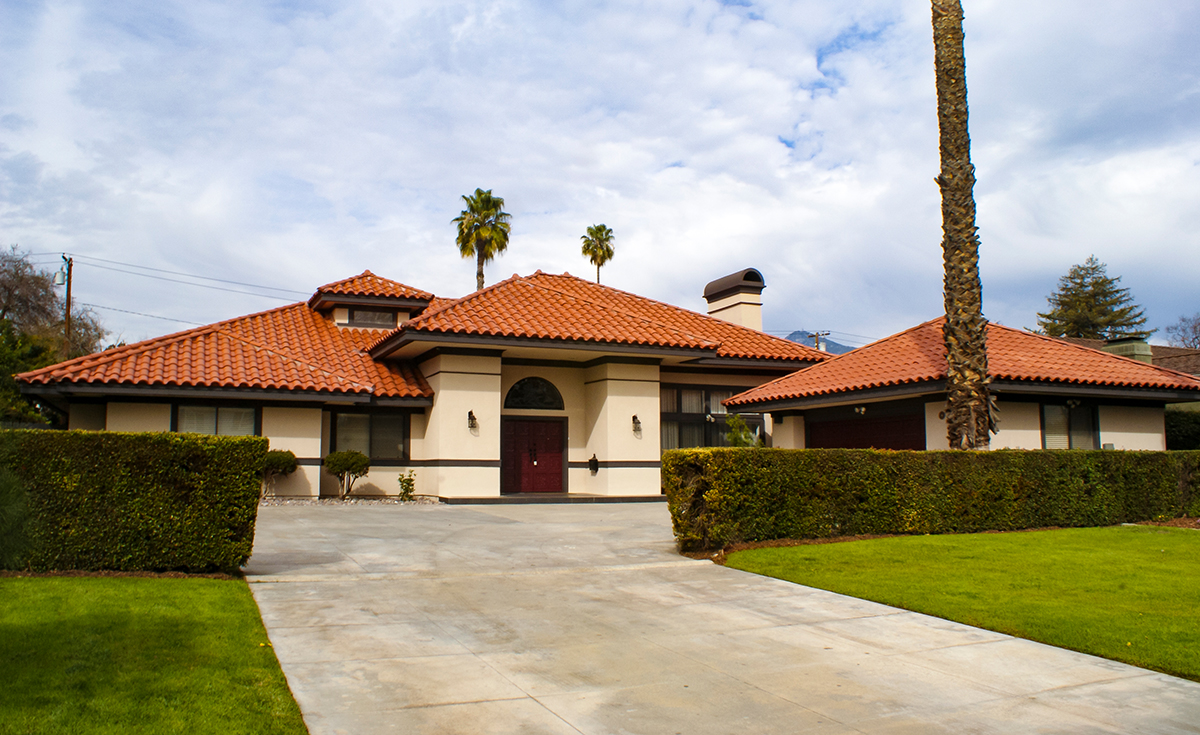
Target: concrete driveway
(582, 619)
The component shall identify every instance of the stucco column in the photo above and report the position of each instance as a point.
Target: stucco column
(629, 459)
(457, 460)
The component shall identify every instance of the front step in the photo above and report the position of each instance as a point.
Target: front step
(541, 498)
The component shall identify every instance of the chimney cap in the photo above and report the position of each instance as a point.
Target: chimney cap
(748, 280)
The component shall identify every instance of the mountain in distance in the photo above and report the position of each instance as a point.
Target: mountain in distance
(805, 337)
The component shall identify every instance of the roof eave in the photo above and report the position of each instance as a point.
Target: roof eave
(1167, 395)
(320, 301)
(864, 395)
(67, 390)
(405, 337)
(791, 364)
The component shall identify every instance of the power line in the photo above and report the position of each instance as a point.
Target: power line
(190, 275)
(173, 273)
(138, 313)
(189, 283)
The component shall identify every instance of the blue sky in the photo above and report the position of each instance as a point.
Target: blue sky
(292, 144)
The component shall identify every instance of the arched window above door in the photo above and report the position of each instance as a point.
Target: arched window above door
(536, 393)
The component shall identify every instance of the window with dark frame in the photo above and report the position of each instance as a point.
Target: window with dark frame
(380, 436)
(1070, 425)
(217, 420)
(372, 318)
(693, 416)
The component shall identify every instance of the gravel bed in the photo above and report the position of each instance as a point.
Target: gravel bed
(379, 500)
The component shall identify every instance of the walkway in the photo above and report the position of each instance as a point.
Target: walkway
(581, 619)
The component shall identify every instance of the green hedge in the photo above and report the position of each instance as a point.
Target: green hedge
(136, 502)
(723, 496)
(1183, 429)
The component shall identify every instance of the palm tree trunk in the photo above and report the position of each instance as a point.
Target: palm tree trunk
(478, 268)
(597, 273)
(970, 413)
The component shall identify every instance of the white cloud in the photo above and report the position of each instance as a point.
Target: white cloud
(300, 143)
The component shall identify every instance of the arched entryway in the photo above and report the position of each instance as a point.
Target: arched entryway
(533, 448)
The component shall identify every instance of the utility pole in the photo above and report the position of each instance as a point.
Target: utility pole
(817, 338)
(68, 264)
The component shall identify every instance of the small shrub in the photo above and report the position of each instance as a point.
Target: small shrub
(347, 467)
(14, 510)
(738, 435)
(408, 486)
(278, 463)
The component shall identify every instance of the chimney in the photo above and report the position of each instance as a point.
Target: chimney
(737, 298)
(1133, 347)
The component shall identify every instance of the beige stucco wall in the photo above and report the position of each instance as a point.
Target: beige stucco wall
(740, 308)
(297, 430)
(935, 426)
(304, 482)
(666, 377)
(1132, 427)
(1020, 426)
(138, 417)
(461, 384)
(614, 394)
(788, 433)
(86, 416)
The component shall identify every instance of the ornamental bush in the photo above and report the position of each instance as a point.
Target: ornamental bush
(719, 497)
(135, 502)
(347, 467)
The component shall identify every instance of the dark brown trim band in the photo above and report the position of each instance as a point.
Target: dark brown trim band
(618, 464)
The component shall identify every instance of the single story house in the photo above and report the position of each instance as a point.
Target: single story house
(1051, 394)
(543, 383)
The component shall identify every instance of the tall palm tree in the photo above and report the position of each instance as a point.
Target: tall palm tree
(597, 246)
(970, 415)
(482, 229)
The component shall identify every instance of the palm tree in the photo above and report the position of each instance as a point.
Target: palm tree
(482, 230)
(597, 246)
(970, 415)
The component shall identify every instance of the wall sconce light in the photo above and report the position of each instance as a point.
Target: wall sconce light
(593, 465)
(472, 422)
(1072, 403)
(637, 424)
(860, 410)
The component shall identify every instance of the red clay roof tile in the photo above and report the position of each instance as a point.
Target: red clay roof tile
(369, 284)
(292, 348)
(563, 307)
(918, 355)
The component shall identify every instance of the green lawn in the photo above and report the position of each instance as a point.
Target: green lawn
(138, 655)
(1130, 593)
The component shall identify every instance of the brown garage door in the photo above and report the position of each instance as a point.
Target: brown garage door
(887, 432)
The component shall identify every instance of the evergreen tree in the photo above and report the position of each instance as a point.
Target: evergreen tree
(1090, 304)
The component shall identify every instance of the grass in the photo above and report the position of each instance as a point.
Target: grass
(138, 655)
(1129, 593)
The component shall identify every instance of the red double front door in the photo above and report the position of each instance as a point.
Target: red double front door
(531, 456)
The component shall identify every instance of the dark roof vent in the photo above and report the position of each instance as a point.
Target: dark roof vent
(743, 281)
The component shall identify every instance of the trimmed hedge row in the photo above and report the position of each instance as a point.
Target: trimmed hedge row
(1183, 429)
(719, 497)
(136, 502)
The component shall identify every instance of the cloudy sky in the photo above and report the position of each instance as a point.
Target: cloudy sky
(290, 144)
